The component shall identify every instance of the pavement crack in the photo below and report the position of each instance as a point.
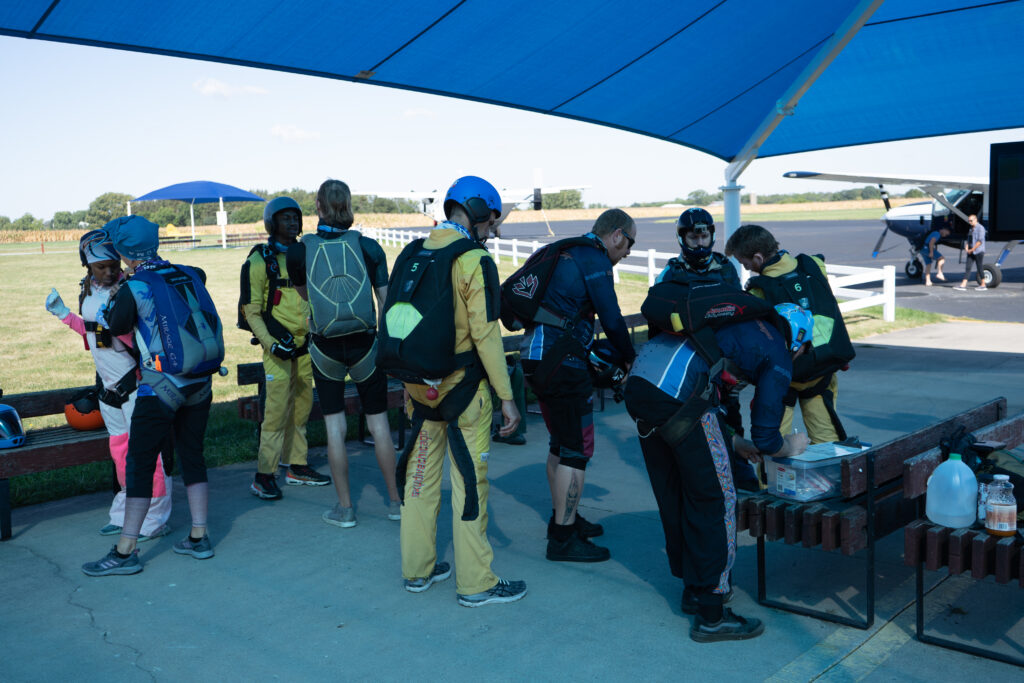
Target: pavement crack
(70, 600)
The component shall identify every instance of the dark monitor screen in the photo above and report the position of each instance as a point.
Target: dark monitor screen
(1006, 192)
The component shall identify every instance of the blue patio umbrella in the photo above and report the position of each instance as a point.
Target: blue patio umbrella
(201, 192)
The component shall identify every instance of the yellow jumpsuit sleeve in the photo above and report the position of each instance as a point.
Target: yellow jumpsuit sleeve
(254, 309)
(485, 334)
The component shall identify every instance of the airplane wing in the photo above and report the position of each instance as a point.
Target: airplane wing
(936, 182)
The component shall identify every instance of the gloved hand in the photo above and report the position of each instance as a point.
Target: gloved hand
(55, 305)
(283, 350)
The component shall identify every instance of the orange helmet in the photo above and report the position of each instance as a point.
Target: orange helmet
(83, 410)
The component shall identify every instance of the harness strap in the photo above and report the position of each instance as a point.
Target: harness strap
(119, 393)
(678, 427)
(449, 410)
(819, 388)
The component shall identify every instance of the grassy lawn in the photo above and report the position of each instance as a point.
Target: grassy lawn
(39, 353)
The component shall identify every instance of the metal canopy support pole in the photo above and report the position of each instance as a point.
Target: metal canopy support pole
(223, 228)
(192, 214)
(786, 105)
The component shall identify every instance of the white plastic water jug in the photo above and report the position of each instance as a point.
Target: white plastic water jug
(952, 497)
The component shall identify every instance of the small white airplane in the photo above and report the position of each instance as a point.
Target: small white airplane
(432, 202)
(954, 200)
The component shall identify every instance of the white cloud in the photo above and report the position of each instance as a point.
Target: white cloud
(418, 113)
(289, 132)
(213, 87)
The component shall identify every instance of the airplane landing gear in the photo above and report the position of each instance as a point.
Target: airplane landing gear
(993, 275)
(914, 269)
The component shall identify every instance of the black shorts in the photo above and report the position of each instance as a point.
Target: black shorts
(350, 349)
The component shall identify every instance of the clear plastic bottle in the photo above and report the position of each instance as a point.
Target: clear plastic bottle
(1001, 507)
(952, 495)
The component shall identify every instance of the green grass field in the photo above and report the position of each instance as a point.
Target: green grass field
(37, 352)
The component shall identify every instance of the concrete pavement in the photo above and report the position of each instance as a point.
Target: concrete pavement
(288, 597)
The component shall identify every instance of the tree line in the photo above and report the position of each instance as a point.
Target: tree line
(110, 205)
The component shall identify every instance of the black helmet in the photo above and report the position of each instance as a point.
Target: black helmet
(607, 368)
(274, 207)
(699, 221)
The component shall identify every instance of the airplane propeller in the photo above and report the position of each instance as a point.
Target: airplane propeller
(878, 244)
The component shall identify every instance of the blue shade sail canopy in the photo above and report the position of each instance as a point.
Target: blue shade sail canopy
(701, 73)
(201, 192)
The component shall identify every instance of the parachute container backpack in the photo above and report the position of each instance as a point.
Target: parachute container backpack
(340, 295)
(190, 329)
(417, 338)
(523, 291)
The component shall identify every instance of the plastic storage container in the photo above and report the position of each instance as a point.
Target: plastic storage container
(952, 496)
(1001, 507)
(802, 480)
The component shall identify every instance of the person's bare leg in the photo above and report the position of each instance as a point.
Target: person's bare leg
(337, 457)
(552, 468)
(384, 449)
(568, 489)
(938, 269)
(928, 274)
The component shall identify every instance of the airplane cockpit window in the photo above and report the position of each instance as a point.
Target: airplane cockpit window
(939, 210)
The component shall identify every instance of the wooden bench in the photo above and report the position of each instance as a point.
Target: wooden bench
(969, 552)
(251, 407)
(871, 505)
(48, 448)
(245, 239)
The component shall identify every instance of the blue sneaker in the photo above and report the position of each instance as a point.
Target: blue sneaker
(114, 564)
(162, 530)
(203, 550)
(442, 570)
(503, 591)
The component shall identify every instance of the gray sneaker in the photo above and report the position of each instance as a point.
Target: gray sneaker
(339, 516)
(110, 530)
(503, 591)
(162, 530)
(395, 511)
(203, 550)
(442, 570)
(114, 564)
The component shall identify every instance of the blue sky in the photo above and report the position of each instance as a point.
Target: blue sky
(80, 121)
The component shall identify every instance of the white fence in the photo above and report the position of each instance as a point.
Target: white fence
(651, 262)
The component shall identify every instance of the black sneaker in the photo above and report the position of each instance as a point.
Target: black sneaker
(576, 549)
(690, 604)
(265, 487)
(304, 475)
(729, 627)
(586, 529)
(512, 440)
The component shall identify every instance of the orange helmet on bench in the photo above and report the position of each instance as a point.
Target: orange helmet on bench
(83, 411)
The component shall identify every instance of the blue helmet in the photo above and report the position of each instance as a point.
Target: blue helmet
(12, 434)
(699, 221)
(801, 324)
(476, 196)
(275, 206)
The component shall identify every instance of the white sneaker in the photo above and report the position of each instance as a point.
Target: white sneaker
(339, 516)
